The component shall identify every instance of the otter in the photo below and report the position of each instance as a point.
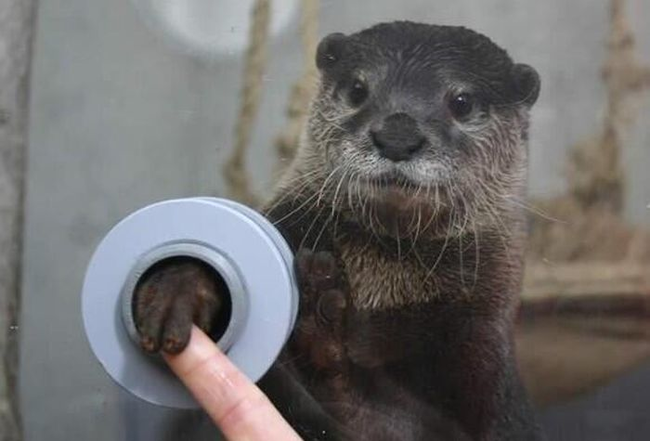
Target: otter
(402, 208)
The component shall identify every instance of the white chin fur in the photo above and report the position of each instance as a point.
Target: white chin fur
(418, 171)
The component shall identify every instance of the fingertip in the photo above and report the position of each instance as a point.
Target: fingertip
(233, 402)
(197, 348)
(173, 346)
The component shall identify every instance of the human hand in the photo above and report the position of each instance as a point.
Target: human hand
(236, 405)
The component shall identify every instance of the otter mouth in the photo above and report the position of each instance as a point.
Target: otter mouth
(396, 205)
(400, 207)
(394, 182)
(396, 192)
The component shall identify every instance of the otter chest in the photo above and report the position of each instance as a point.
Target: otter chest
(379, 280)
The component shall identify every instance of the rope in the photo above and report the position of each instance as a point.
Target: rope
(236, 175)
(303, 90)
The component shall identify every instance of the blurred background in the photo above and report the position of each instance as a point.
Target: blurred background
(107, 106)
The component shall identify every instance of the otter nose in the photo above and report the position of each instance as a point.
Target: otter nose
(399, 138)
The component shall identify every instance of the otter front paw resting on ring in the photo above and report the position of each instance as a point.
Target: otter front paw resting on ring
(170, 297)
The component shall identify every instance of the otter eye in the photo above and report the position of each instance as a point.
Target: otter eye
(358, 93)
(461, 105)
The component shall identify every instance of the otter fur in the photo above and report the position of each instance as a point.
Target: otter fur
(403, 208)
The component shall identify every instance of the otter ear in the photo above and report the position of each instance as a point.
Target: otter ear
(330, 50)
(527, 84)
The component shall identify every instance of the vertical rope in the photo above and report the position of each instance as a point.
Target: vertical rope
(236, 175)
(303, 89)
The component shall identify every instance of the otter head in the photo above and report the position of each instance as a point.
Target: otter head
(419, 127)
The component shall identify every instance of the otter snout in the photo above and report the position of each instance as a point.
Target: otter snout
(398, 138)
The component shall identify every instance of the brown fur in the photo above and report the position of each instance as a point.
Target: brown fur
(432, 266)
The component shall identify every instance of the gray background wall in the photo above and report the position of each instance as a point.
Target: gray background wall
(120, 118)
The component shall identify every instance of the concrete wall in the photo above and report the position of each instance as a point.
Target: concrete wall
(120, 118)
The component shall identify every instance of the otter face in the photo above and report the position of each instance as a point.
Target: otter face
(420, 120)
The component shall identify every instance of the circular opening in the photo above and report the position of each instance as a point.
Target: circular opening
(172, 273)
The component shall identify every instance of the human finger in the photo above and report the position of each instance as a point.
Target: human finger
(236, 405)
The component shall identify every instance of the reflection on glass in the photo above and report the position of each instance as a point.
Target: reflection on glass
(210, 27)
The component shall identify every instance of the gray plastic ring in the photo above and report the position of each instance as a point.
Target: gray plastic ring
(208, 255)
(240, 244)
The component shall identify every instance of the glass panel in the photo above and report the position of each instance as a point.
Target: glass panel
(134, 102)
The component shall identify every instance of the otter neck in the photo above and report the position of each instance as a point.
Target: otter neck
(385, 272)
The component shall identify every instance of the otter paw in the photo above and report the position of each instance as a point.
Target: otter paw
(331, 308)
(323, 286)
(318, 271)
(318, 334)
(323, 310)
(172, 296)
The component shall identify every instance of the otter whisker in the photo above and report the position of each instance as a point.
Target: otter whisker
(311, 226)
(477, 254)
(478, 199)
(413, 226)
(322, 230)
(295, 210)
(465, 211)
(303, 184)
(533, 209)
(418, 227)
(356, 194)
(503, 231)
(334, 212)
(418, 224)
(451, 197)
(435, 212)
(437, 203)
(323, 187)
(442, 251)
(338, 189)
(314, 203)
(460, 260)
(373, 215)
(349, 192)
(336, 223)
(287, 197)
